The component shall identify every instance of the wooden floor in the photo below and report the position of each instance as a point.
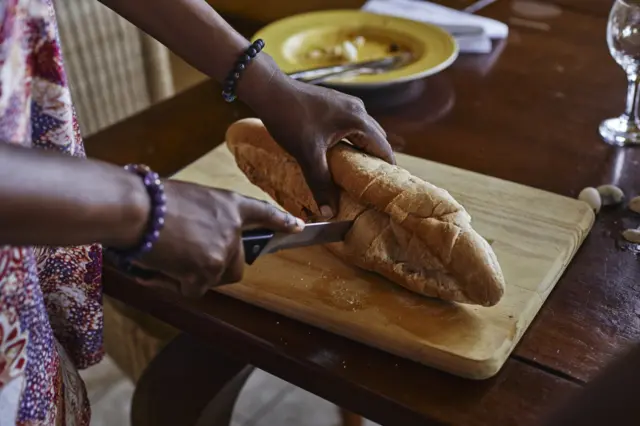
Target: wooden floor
(265, 401)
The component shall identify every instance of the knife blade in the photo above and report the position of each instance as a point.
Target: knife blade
(317, 75)
(257, 242)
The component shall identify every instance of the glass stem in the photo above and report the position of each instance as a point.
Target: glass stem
(631, 110)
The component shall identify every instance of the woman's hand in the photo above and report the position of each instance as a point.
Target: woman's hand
(72, 201)
(200, 246)
(307, 120)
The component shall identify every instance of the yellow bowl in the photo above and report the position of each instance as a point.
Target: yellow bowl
(309, 40)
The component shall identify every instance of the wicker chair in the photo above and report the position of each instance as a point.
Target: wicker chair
(115, 71)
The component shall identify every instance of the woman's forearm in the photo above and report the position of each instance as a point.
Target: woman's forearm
(51, 199)
(198, 34)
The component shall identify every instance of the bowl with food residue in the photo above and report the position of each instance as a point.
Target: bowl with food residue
(339, 37)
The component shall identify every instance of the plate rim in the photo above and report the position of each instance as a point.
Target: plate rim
(373, 84)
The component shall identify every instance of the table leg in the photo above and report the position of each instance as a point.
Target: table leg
(189, 383)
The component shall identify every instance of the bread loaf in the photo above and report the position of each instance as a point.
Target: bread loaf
(413, 233)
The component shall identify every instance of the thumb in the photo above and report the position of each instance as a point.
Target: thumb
(318, 177)
(257, 213)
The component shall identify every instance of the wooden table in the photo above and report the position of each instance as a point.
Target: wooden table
(530, 117)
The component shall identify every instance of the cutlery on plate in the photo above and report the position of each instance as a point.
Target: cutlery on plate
(316, 75)
(376, 66)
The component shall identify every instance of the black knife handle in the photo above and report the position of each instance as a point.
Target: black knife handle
(253, 242)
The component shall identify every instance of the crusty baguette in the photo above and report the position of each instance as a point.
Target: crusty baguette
(413, 233)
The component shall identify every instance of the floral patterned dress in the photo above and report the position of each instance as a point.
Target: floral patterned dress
(50, 298)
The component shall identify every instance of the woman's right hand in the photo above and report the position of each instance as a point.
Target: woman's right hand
(200, 245)
(72, 201)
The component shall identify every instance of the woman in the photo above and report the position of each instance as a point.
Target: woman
(57, 209)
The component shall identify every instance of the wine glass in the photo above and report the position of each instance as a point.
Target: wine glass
(623, 38)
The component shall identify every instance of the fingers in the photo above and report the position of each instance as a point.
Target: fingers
(397, 142)
(260, 213)
(318, 177)
(370, 136)
(377, 126)
(165, 284)
(194, 286)
(227, 272)
(188, 284)
(157, 279)
(374, 142)
(235, 267)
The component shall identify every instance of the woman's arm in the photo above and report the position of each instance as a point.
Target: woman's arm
(306, 121)
(194, 31)
(51, 199)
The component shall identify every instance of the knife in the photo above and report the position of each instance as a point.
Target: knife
(317, 75)
(257, 242)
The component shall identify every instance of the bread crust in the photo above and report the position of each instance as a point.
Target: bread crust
(408, 230)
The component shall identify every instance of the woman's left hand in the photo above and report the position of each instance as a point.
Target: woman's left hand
(304, 119)
(307, 120)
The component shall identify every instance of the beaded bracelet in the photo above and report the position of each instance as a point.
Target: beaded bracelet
(230, 83)
(155, 189)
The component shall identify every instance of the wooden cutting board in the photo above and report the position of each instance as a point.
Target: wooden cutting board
(534, 234)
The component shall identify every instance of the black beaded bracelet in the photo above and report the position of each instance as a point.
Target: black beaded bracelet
(155, 189)
(230, 83)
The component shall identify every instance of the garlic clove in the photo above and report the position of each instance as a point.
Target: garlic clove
(591, 196)
(610, 194)
(336, 51)
(632, 235)
(350, 51)
(634, 204)
(315, 54)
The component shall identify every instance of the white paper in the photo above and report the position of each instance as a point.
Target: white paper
(480, 44)
(436, 14)
(425, 11)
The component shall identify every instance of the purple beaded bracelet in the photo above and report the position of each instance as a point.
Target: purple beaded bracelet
(230, 83)
(155, 189)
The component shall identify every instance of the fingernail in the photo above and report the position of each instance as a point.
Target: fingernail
(300, 223)
(326, 211)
